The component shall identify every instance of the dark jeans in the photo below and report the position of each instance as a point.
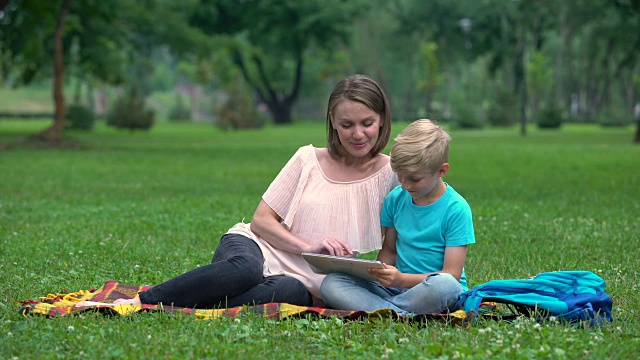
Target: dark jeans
(233, 278)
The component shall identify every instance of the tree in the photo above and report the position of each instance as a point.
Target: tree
(268, 39)
(37, 37)
(54, 132)
(35, 41)
(431, 78)
(33, 38)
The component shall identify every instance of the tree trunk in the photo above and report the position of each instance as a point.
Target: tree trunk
(560, 97)
(281, 114)
(603, 94)
(428, 102)
(637, 139)
(55, 131)
(280, 106)
(521, 81)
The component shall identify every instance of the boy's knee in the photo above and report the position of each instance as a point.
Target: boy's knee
(326, 286)
(329, 281)
(445, 282)
(330, 285)
(448, 277)
(441, 278)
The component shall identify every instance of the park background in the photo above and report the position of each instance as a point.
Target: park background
(137, 133)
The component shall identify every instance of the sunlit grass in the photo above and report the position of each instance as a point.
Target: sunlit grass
(141, 207)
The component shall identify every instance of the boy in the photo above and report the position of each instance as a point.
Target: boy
(427, 226)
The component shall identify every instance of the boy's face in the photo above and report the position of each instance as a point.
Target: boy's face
(423, 186)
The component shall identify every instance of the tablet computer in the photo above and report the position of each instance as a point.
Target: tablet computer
(326, 264)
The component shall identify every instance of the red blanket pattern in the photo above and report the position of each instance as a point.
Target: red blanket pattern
(63, 304)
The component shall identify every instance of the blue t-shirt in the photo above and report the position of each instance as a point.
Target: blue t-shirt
(425, 231)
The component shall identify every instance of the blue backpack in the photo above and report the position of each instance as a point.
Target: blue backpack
(571, 296)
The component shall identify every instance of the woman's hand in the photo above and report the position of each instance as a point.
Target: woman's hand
(266, 224)
(331, 246)
(390, 276)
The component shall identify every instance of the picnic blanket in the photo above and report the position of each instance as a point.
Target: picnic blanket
(63, 304)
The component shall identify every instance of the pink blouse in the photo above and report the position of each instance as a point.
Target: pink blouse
(313, 207)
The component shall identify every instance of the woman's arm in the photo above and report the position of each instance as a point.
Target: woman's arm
(266, 224)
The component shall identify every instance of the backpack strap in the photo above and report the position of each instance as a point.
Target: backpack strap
(469, 301)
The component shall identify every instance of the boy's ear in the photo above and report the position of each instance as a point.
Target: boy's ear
(444, 169)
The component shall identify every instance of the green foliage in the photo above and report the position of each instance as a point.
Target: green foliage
(539, 74)
(163, 77)
(129, 112)
(179, 111)
(239, 111)
(463, 113)
(502, 109)
(331, 65)
(467, 119)
(80, 117)
(22, 53)
(431, 76)
(268, 41)
(550, 116)
(614, 116)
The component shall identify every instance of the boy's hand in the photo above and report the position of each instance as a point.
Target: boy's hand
(389, 276)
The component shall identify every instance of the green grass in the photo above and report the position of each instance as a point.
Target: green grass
(142, 207)
(33, 99)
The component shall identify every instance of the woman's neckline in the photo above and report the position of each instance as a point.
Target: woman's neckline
(324, 175)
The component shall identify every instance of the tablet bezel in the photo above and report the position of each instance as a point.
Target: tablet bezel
(326, 264)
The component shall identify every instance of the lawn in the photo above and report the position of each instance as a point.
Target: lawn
(139, 208)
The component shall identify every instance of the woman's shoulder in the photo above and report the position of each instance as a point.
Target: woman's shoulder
(306, 149)
(305, 153)
(382, 160)
(320, 153)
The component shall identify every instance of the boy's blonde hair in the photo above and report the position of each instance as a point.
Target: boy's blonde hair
(421, 146)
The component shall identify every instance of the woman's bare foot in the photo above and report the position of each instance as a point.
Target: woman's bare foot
(135, 301)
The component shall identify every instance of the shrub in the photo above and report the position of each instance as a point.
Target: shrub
(549, 116)
(239, 111)
(466, 118)
(179, 111)
(129, 112)
(502, 109)
(80, 117)
(614, 116)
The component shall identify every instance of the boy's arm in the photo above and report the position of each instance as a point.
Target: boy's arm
(388, 254)
(454, 257)
(390, 276)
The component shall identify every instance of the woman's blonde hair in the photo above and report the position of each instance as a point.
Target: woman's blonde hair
(364, 90)
(421, 146)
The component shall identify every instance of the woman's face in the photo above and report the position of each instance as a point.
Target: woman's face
(357, 126)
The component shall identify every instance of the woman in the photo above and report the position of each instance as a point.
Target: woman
(325, 200)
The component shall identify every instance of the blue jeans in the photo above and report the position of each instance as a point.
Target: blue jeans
(233, 278)
(438, 293)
